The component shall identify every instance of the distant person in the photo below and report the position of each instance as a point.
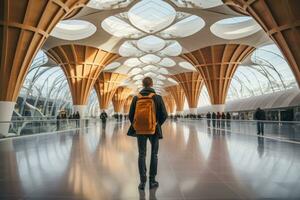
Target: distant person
(77, 115)
(214, 117)
(103, 117)
(260, 116)
(58, 121)
(218, 119)
(228, 119)
(147, 114)
(208, 118)
(223, 117)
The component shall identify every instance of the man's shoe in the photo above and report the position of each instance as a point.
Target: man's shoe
(142, 185)
(153, 184)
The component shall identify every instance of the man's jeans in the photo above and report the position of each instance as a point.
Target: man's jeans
(260, 127)
(142, 145)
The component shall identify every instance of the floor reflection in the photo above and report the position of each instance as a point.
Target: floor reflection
(194, 163)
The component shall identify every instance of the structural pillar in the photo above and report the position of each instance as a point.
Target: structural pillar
(217, 65)
(191, 83)
(281, 21)
(179, 97)
(106, 86)
(82, 66)
(24, 27)
(119, 98)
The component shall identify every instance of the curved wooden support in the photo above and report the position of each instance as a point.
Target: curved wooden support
(169, 103)
(191, 83)
(127, 104)
(24, 27)
(217, 65)
(106, 86)
(281, 21)
(120, 97)
(178, 95)
(82, 66)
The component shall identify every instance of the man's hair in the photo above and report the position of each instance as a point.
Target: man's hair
(147, 82)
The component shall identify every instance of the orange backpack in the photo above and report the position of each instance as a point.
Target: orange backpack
(145, 115)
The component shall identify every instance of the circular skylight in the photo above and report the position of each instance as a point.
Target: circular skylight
(173, 49)
(151, 44)
(235, 28)
(167, 62)
(132, 62)
(184, 28)
(127, 49)
(112, 65)
(186, 65)
(119, 28)
(150, 68)
(151, 15)
(150, 59)
(73, 30)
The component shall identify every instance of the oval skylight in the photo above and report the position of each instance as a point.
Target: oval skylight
(151, 74)
(173, 49)
(172, 80)
(135, 71)
(151, 15)
(108, 4)
(151, 44)
(235, 28)
(73, 30)
(150, 59)
(150, 68)
(186, 65)
(184, 28)
(127, 49)
(132, 62)
(161, 77)
(138, 77)
(197, 3)
(167, 62)
(119, 28)
(112, 65)
(163, 71)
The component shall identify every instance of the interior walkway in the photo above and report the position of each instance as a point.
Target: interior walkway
(194, 163)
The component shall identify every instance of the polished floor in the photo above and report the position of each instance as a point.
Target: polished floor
(194, 163)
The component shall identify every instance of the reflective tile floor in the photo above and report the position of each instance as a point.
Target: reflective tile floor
(194, 163)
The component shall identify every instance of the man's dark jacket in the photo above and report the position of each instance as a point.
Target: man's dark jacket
(161, 113)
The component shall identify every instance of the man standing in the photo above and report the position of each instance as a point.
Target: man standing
(147, 114)
(103, 117)
(260, 115)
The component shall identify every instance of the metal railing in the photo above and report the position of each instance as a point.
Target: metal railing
(283, 130)
(29, 127)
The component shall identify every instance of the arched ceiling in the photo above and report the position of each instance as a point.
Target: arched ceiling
(150, 35)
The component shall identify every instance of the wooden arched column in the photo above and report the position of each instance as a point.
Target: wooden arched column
(24, 27)
(281, 21)
(170, 104)
(106, 86)
(82, 66)
(178, 95)
(120, 97)
(217, 65)
(127, 104)
(191, 83)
